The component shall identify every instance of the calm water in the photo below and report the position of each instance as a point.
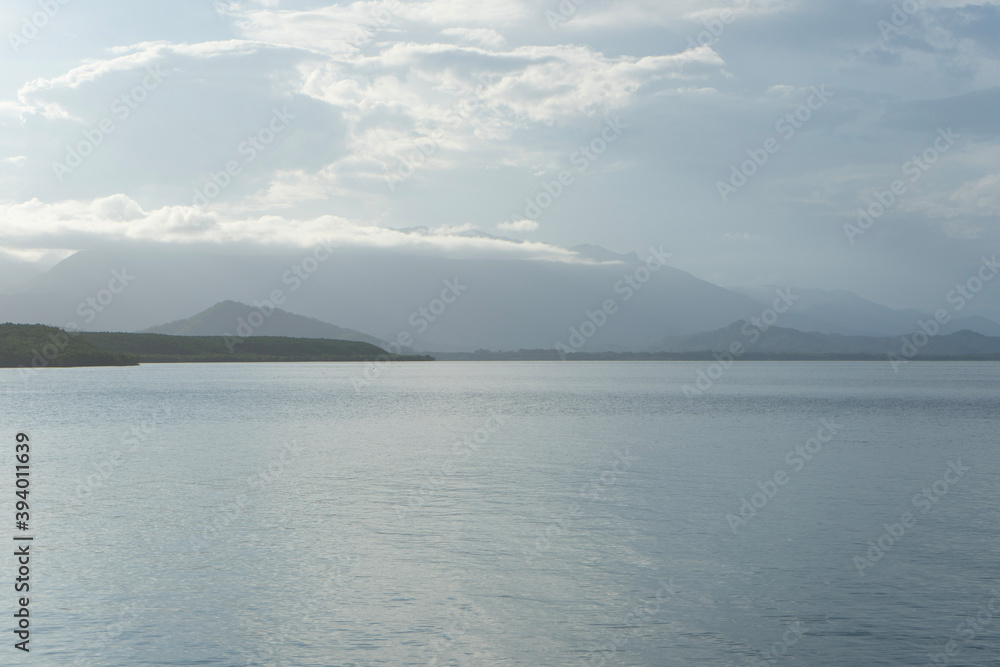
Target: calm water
(507, 514)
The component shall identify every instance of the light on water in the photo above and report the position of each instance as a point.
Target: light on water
(512, 514)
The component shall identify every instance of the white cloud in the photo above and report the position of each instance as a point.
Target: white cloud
(687, 15)
(469, 12)
(46, 257)
(980, 197)
(518, 226)
(34, 224)
(499, 102)
(343, 30)
(485, 37)
(367, 113)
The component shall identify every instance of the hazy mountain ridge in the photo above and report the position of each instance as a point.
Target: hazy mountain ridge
(15, 272)
(231, 318)
(377, 295)
(843, 312)
(505, 304)
(780, 340)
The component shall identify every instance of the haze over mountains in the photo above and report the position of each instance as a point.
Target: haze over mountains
(443, 304)
(842, 312)
(239, 319)
(783, 341)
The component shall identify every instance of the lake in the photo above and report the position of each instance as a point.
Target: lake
(508, 514)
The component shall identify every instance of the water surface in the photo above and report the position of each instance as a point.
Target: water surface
(506, 514)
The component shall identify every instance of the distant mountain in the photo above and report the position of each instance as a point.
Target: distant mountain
(231, 318)
(504, 303)
(843, 312)
(783, 341)
(383, 294)
(15, 272)
(599, 254)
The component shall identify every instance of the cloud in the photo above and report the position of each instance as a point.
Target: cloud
(343, 30)
(979, 198)
(689, 17)
(359, 115)
(485, 37)
(518, 226)
(34, 224)
(455, 111)
(156, 120)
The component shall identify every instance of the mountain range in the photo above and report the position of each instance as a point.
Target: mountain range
(843, 312)
(783, 341)
(428, 302)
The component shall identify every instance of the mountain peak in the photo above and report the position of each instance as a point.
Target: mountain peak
(232, 318)
(599, 254)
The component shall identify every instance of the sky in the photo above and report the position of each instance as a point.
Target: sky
(746, 137)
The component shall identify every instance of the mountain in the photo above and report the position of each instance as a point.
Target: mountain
(503, 303)
(599, 254)
(783, 341)
(427, 302)
(840, 311)
(230, 318)
(14, 272)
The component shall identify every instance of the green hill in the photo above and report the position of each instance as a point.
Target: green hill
(158, 348)
(35, 345)
(39, 346)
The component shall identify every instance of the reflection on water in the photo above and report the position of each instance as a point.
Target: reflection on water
(506, 514)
